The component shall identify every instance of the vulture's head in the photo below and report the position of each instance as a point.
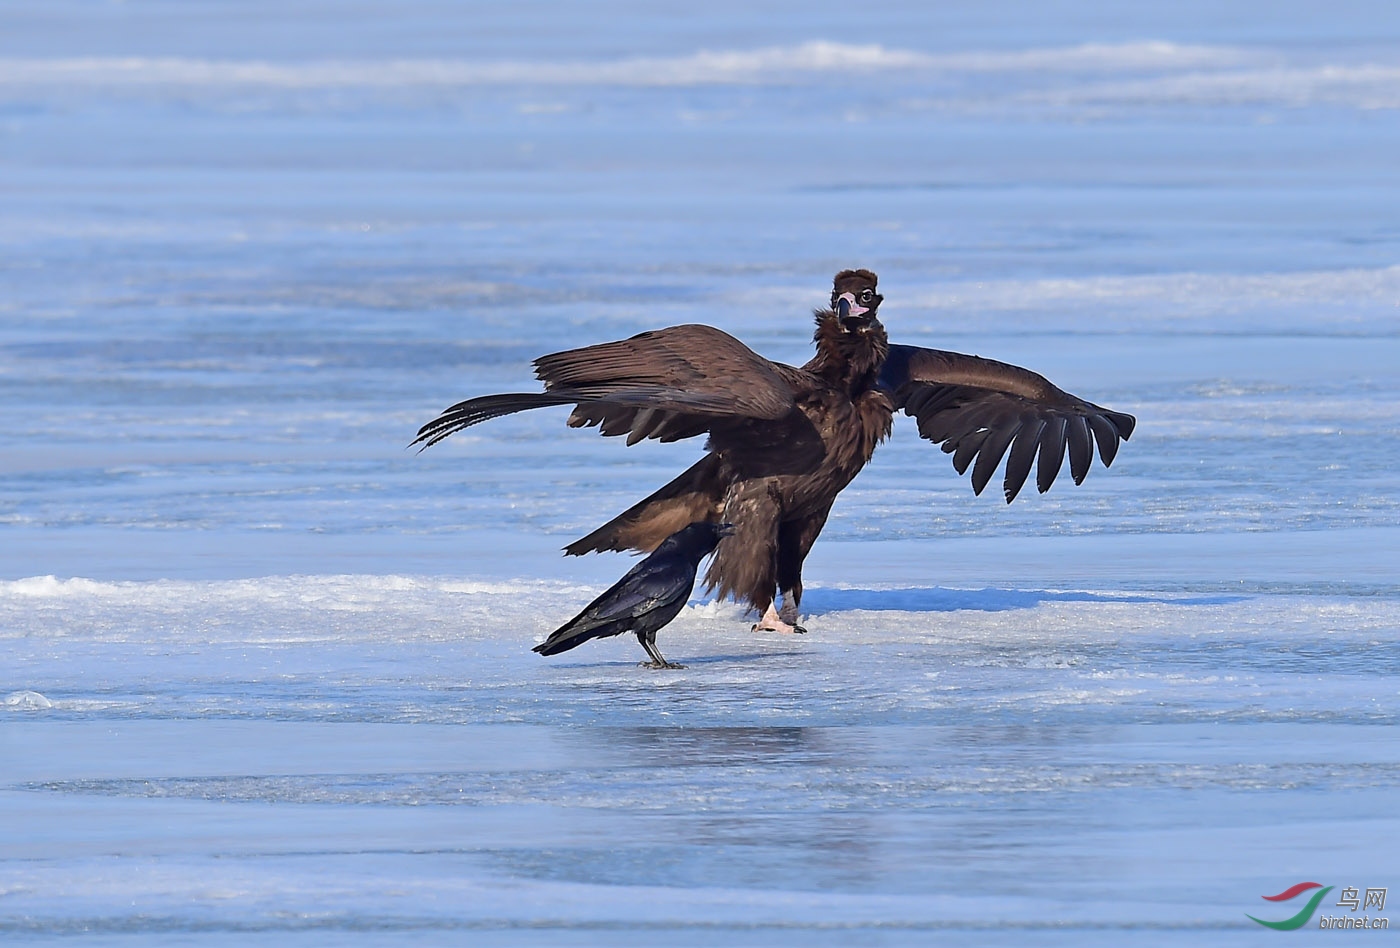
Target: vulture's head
(854, 300)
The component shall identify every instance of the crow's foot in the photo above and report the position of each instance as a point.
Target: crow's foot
(660, 665)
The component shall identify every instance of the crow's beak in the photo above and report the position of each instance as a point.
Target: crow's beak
(726, 529)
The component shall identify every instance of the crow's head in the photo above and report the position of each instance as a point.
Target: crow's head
(854, 300)
(699, 538)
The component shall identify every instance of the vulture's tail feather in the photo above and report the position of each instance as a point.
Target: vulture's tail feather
(697, 494)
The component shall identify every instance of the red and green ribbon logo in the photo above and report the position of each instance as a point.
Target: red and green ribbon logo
(1304, 915)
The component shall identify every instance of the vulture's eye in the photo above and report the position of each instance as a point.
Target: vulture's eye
(867, 295)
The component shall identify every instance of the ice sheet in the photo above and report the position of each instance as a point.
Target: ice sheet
(267, 671)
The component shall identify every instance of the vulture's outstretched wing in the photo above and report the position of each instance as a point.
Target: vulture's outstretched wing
(667, 384)
(977, 408)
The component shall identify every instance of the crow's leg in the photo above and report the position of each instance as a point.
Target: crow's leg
(657, 659)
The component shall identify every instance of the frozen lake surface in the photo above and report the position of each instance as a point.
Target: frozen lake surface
(267, 672)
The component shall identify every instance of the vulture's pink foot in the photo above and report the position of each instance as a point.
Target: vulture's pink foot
(772, 622)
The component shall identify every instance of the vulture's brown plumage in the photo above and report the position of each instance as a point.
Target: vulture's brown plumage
(784, 441)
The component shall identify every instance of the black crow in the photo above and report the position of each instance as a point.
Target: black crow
(649, 596)
(784, 441)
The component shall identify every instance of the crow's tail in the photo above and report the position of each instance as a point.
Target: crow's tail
(570, 636)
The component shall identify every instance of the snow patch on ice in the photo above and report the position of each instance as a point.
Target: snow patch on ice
(45, 587)
(27, 701)
(1367, 86)
(344, 591)
(1192, 293)
(704, 67)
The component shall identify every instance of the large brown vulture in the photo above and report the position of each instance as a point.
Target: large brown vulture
(784, 441)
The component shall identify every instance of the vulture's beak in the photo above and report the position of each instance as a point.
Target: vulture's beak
(849, 313)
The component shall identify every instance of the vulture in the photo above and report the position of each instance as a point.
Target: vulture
(783, 441)
(650, 595)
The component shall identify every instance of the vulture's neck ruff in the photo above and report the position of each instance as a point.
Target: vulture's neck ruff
(848, 358)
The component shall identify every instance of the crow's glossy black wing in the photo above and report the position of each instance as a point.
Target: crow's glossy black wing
(647, 586)
(977, 409)
(656, 583)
